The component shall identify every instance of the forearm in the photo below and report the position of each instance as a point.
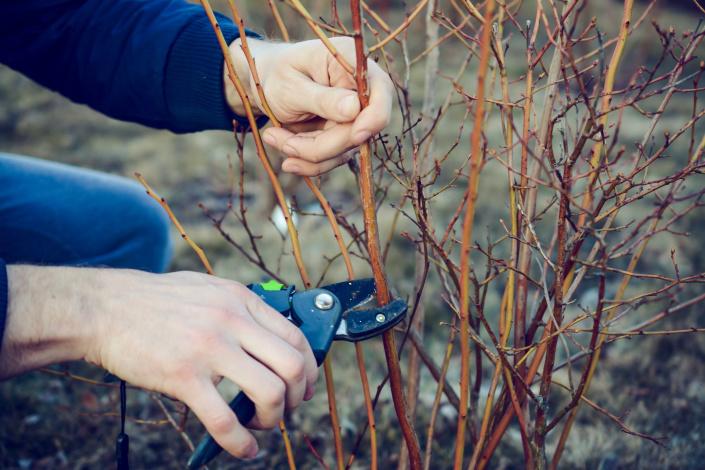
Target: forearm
(46, 318)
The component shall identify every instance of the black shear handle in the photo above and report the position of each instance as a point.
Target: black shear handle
(208, 449)
(317, 324)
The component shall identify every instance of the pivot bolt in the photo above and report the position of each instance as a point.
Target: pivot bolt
(324, 301)
(380, 318)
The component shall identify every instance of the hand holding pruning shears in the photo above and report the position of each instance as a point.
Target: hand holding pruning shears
(323, 315)
(178, 334)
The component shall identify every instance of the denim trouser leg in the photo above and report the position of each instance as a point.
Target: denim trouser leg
(56, 214)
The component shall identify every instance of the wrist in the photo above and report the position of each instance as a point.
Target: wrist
(258, 49)
(48, 317)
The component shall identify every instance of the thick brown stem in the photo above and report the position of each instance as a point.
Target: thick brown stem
(373, 246)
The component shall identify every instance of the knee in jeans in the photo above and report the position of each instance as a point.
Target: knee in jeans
(156, 233)
(147, 232)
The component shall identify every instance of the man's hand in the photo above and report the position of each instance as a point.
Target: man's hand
(315, 100)
(177, 334)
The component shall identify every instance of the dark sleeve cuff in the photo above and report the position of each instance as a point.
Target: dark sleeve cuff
(3, 299)
(194, 78)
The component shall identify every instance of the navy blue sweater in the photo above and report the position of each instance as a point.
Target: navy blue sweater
(154, 62)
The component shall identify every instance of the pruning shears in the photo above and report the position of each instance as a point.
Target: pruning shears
(325, 314)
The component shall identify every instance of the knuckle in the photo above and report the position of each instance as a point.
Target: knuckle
(238, 289)
(243, 448)
(222, 424)
(209, 340)
(315, 157)
(252, 301)
(318, 171)
(274, 396)
(296, 368)
(320, 158)
(178, 380)
(215, 314)
(321, 101)
(295, 337)
(180, 372)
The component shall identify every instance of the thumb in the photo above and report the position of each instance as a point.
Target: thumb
(331, 103)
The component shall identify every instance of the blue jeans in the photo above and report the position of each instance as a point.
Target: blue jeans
(56, 214)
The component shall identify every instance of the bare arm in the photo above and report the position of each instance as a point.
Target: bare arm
(177, 334)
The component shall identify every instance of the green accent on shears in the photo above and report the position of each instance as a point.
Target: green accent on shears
(272, 285)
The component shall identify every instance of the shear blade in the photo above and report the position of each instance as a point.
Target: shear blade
(353, 294)
(358, 325)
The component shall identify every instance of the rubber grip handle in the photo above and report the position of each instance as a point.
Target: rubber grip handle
(208, 449)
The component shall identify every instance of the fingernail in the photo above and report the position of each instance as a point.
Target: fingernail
(361, 137)
(310, 392)
(347, 106)
(252, 453)
(269, 140)
(289, 151)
